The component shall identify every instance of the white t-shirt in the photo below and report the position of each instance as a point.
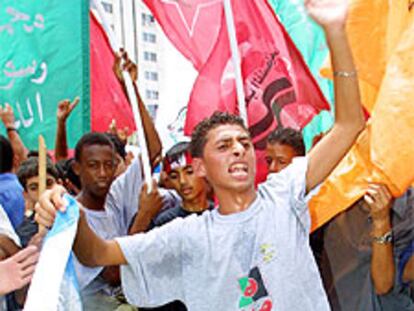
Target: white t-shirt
(6, 227)
(258, 259)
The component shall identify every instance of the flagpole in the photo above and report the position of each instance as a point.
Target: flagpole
(132, 97)
(236, 59)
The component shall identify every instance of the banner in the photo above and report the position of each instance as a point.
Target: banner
(108, 99)
(54, 284)
(192, 26)
(280, 90)
(310, 40)
(382, 41)
(44, 59)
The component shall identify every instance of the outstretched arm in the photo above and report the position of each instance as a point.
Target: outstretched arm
(349, 119)
(90, 249)
(65, 107)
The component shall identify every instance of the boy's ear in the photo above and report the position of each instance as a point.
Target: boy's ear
(25, 195)
(76, 168)
(199, 168)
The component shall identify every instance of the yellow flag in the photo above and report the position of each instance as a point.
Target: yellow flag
(382, 42)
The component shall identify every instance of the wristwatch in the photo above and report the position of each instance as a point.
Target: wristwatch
(384, 239)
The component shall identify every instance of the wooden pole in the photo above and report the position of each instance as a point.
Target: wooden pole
(42, 170)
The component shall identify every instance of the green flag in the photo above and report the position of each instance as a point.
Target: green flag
(44, 58)
(310, 40)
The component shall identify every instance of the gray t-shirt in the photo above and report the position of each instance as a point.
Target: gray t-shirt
(258, 259)
(123, 197)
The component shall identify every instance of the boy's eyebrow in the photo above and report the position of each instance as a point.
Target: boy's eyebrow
(223, 139)
(244, 137)
(172, 171)
(229, 139)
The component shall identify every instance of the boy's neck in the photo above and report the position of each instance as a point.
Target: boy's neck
(91, 202)
(198, 204)
(230, 202)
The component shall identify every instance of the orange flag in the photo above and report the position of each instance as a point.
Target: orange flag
(382, 41)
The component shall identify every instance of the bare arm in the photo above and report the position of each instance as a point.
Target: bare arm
(90, 249)
(379, 200)
(7, 247)
(18, 269)
(149, 206)
(153, 141)
(408, 274)
(111, 275)
(65, 107)
(19, 149)
(349, 119)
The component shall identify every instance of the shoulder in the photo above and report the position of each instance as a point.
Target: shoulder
(291, 179)
(6, 227)
(167, 215)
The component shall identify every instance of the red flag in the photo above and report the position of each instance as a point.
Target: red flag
(108, 100)
(279, 89)
(192, 26)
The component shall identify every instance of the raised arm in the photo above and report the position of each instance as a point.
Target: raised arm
(90, 249)
(65, 107)
(19, 149)
(149, 205)
(349, 119)
(153, 140)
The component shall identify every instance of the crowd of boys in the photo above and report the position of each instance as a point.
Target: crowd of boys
(206, 237)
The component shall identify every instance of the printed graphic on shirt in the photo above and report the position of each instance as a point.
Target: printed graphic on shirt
(268, 252)
(254, 293)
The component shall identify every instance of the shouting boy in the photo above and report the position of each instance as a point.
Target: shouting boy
(252, 253)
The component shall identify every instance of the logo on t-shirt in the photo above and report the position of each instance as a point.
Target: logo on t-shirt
(267, 252)
(255, 295)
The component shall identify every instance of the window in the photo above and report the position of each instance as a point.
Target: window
(151, 94)
(152, 109)
(149, 37)
(107, 7)
(147, 19)
(150, 56)
(151, 75)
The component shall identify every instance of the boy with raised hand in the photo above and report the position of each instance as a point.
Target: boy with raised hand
(192, 190)
(253, 251)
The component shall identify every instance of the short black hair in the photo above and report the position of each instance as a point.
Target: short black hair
(175, 152)
(199, 135)
(35, 154)
(6, 155)
(290, 137)
(118, 144)
(65, 170)
(30, 168)
(90, 139)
